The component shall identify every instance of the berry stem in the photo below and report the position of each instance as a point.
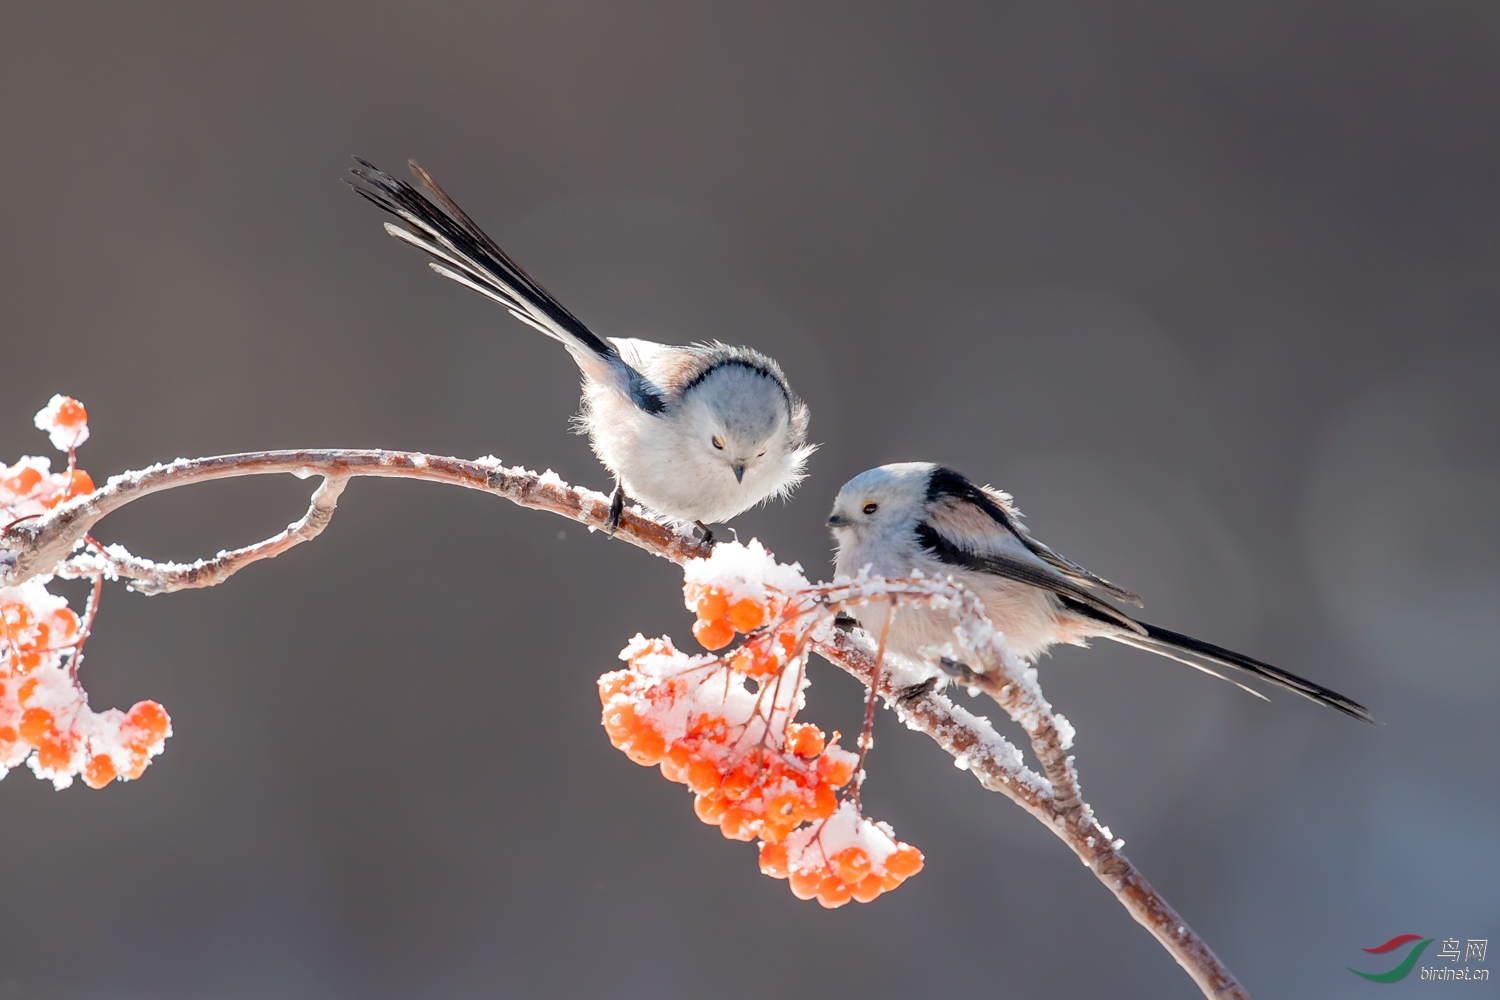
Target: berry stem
(867, 731)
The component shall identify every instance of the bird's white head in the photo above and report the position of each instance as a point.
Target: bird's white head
(876, 513)
(746, 432)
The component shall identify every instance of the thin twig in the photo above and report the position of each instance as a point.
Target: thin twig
(867, 728)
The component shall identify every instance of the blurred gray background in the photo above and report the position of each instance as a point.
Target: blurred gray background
(1211, 290)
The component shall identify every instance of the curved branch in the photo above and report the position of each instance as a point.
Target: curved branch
(38, 547)
(45, 546)
(149, 577)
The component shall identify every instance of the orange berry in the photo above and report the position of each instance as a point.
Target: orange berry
(65, 622)
(852, 864)
(70, 413)
(138, 762)
(788, 644)
(674, 764)
(746, 615)
(824, 803)
(752, 660)
(786, 809)
(804, 885)
(774, 830)
(24, 481)
(710, 808)
(36, 723)
(703, 777)
(869, 888)
(54, 754)
(645, 746)
(8, 734)
(833, 893)
(889, 881)
(619, 722)
(773, 860)
(804, 739)
(79, 483)
(99, 771)
(713, 633)
(737, 783)
(742, 660)
(904, 862)
(150, 718)
(837, 772)
(23, 693)
(711, 605)
(705, 725)
(737, 824)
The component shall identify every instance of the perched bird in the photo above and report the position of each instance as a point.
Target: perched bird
(920, 516)
(698, 433)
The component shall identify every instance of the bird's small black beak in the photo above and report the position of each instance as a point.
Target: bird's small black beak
(739, 472)
(837, 520)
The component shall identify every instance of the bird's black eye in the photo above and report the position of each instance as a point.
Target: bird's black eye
(718, 442)
(870, 508)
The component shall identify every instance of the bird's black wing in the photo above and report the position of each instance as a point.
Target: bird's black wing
(1021, 571)
(946, 483)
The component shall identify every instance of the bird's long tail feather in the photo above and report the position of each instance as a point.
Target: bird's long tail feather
(1186, 649)
(463, 252)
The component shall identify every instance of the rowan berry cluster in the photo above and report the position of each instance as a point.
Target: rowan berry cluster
(30, 487)
(723, 725)
(45, 719)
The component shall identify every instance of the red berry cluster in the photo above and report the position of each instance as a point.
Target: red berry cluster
(30, 486)
(755, 773)
(751, 774)
(845, 857)
(45, 719)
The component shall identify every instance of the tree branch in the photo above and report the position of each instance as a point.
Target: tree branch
(148, 577)
(39, 546)
(45, 545)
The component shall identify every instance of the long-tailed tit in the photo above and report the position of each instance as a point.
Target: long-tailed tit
(920, 516)
(698, 433)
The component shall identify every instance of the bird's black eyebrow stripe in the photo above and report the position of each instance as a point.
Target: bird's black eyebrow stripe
(945, 483)
(751, 364)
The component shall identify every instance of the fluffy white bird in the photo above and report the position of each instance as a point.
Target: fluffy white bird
(920, 516)
(697, 433)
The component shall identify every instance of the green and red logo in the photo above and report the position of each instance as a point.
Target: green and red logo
(1402, 968)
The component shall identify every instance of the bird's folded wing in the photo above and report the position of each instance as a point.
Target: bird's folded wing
(1020, 571)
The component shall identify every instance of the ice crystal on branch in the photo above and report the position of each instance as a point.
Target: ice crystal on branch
(45, 719)
(724, 726)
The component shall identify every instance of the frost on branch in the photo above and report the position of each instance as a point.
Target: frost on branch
(45, 719)
(724, 726)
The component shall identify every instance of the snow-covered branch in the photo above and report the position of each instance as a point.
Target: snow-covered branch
(148, 577)
(755, 772)
(40, 546)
